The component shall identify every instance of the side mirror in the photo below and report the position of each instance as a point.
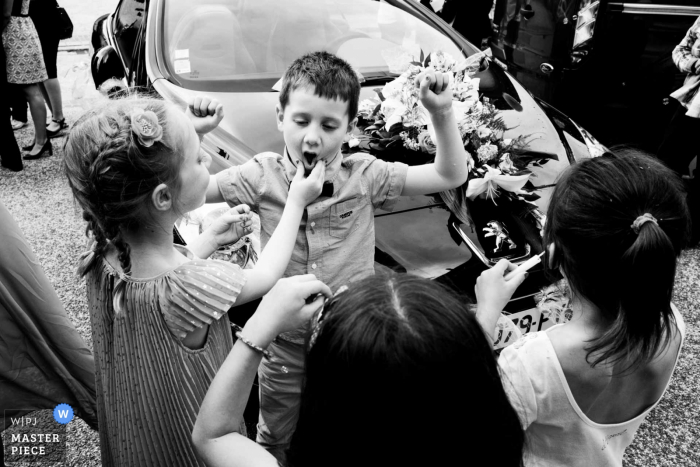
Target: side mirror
(106, 65)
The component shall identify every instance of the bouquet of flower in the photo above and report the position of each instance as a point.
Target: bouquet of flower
(397, 127)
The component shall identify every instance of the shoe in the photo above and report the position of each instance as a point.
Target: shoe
(62, 126)
(16, 124)
(46, 147)
(28, 147)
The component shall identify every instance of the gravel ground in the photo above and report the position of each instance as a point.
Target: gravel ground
(40, 201)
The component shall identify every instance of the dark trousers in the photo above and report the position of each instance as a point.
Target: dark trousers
(680, 145)
(9, 151)
(18, 103)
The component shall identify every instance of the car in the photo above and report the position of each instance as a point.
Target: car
(236, 52)
(614, 56)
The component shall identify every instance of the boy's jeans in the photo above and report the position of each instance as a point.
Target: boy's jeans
(280, 397)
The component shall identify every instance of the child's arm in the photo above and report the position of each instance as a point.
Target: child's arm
(493, 293)
(215, 434)
(450, 167)
(213, 193)
(275, 257)
(205, 115)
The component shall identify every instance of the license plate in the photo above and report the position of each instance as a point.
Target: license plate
(526, 321)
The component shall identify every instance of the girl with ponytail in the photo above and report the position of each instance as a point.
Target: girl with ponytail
(615, 227)
(159, 311)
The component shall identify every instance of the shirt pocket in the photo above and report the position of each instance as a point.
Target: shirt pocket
(344, 217)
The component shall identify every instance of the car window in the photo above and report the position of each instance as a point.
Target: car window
(127, 22)
(246, 41)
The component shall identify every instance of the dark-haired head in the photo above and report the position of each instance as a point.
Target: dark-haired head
(112, 175)
(328, 76)
(626, 272)
(401, 373)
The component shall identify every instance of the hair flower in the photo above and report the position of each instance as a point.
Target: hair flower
(144, 124)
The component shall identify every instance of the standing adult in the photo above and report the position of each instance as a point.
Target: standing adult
(471, 18)
(682, 140)
(44, 14)
(9, 152)
(25, 66)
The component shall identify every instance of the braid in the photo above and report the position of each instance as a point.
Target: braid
(112, 175)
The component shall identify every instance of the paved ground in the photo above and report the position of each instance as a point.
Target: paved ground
(41, 202)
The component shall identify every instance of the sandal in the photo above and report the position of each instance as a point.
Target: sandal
(62, 125)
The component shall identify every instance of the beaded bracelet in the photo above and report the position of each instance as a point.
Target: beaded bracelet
(239, 330)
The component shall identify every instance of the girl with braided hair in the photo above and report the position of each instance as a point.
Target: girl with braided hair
(615, 227)
(158, 311)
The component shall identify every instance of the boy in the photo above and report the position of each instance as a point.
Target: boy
(318, 107)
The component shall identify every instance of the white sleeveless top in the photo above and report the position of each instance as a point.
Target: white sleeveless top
(558, 433)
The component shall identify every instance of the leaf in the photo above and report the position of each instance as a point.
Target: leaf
(422, 56)
(380, 95)
(427, 60)
(416, 63)
(396, 126)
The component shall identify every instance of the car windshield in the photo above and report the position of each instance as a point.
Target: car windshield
(245, 45)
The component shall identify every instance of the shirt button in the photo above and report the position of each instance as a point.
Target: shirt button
(313, 224)
(313, 266)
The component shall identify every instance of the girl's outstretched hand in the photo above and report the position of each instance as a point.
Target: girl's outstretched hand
(304, 190)
(284, 308)
(205, 114)
(435, 91)
(492, 290)
(231, 226)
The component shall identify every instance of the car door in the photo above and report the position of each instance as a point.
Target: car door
(129, 27)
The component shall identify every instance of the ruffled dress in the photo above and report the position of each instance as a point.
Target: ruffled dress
(149, 385)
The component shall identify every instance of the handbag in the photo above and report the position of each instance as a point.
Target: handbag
(64, 25)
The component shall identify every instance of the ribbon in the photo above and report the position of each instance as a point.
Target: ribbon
(492, 181)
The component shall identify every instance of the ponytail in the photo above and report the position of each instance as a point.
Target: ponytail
(602, 219)
(647, 272)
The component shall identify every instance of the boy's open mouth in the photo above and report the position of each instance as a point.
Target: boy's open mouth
(310, 159)
(309, 156)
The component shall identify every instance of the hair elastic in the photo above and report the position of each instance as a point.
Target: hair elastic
(641, 220)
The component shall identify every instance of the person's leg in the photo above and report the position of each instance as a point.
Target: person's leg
(37, 107)
(47, 98)
(280, 380)
(53, 89)
(17, 102)
(678, 148)
(9, 151)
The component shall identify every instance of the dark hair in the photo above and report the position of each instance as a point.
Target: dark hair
(330, 77)
(628, 276)
(112, 175)
(401, 373)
